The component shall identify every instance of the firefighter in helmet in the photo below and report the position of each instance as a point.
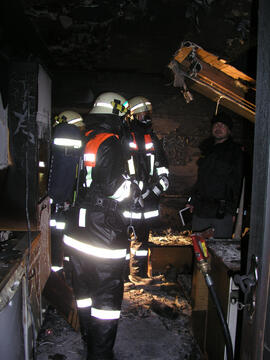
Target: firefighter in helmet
(148, 166)
(95, 233)
(69, 117)
(65, 154)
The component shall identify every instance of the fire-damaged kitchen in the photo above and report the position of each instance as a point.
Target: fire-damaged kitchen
(135, 183)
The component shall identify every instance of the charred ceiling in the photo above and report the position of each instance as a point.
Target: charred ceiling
(126, 35)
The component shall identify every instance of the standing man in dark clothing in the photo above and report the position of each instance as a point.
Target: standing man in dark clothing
(215, 196)
(95, 235)
(148, 166)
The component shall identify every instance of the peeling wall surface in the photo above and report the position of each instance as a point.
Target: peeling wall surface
(3, 137)
(135, 35)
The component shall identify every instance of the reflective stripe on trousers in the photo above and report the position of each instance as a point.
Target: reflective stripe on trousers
(93, 250)
(98, 313)
(105, 314)
(140, 253)
(83, 303)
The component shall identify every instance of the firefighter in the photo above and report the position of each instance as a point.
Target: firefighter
(148, 166)
(70, 117)
(65, 154)
(95, 233)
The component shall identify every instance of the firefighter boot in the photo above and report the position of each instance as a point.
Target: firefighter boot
(138, 271)
(101, 339)
(84, 318)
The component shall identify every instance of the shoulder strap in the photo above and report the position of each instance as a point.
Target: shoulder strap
(92, 146)
(133, 144)
(149, 143)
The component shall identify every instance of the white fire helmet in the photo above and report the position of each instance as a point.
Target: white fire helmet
(110, 103)
(69, 117)
(139, 104)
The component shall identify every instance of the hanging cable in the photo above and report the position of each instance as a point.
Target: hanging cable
(218, 102)
(29, 307)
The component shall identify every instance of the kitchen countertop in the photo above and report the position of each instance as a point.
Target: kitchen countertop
(228, 251)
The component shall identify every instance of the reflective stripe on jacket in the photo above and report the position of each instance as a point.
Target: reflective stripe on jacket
(149, 145)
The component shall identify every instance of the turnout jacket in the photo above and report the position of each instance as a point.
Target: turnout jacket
(219, 181)
(147, 164)
(97, 237)
(95, 219)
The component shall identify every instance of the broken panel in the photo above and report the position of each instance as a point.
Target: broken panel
(194, 68)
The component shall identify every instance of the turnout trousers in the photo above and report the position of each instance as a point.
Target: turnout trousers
(100, 280)
(139, 250)
(97, 253)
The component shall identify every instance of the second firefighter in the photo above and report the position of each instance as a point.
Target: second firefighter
(147, 165)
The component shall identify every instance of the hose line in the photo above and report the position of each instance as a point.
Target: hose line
(224, 325)
(200, 250)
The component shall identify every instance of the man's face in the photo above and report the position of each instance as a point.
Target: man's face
(144, 117)
(220, 132)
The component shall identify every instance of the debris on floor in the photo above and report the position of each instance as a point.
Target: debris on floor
(57, 340)
(170, 237)
(155, 324)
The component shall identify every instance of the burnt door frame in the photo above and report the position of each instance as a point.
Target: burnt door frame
(256, 328)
